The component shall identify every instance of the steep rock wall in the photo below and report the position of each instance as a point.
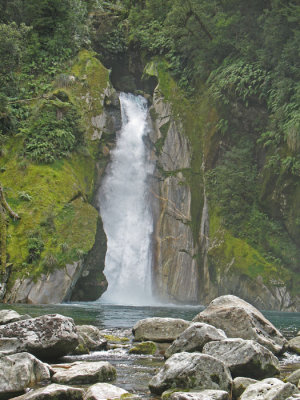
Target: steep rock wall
(197, 256)
(175, 272)
(48, 249)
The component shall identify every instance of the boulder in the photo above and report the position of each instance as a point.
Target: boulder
(239, 385)
(194, 338)
(269, 389)
(203, 395)
(53, 392)
(90, 339)
(159, 329)
(294, 345)
(294, 378)
(245, 358)
(240, 319)
(192, 371)
(8, 316)
(19, 371)
(46, 337)
(105, 391)
(83, 372)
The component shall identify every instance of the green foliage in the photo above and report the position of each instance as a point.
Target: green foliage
(239, 80)
(53, 131)
(232, 186)
(35, 247)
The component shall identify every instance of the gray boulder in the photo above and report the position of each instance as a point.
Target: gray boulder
(294, 378)
(106, 391)
(194, 338)
(203, 395)
(47, 337)
(294, 345)
(83, 372)
(90, 339)
(19, 371)
(244, 358)
(53, 392)
(239, 385)
(240, 319)
(159, 329)
(192, 371)
(8, 316)
(269, 389)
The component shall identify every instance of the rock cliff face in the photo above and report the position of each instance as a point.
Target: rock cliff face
(175, 272)
(54, 244)
(196, 257)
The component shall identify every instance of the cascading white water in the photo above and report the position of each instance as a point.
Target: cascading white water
(125, 210)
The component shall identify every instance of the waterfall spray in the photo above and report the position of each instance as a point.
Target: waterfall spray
(125, 209)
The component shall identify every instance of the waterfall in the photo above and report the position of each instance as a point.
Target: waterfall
(125, 209)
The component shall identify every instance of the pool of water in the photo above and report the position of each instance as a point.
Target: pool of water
(120, 316)
(134, 372)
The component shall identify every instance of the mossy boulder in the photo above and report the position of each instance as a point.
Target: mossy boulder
(144, 348)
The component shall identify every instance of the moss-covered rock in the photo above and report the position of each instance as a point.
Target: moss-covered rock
(58, 224)
(144, 348)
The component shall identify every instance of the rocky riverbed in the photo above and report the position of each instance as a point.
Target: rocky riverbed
(229, 352)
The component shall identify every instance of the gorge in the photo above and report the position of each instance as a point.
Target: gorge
(222, 180)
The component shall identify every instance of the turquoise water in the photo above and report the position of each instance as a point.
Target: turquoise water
(117, 316)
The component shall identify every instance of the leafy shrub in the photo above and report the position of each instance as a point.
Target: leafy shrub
(35, 248)
(52, 132)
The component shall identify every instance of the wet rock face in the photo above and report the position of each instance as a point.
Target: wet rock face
(47, 337)
(192, 371)
(19, 371)
(194, 338)
(175, 270)
(159, 329)
(45, 290)
(244, 358)
(240, 319)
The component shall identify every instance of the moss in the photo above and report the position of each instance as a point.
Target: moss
(232, 255)
(144, 348)
(116, 339)
(58, 211)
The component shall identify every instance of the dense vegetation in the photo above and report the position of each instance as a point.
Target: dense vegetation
(243, 55)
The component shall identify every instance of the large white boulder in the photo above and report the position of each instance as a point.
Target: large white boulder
(159, 329)
(83, 372)
(194, 338)
(19, 371)
(269, 389)
(47, 337)
(192, 371)
(245, 358)
(239, 319)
